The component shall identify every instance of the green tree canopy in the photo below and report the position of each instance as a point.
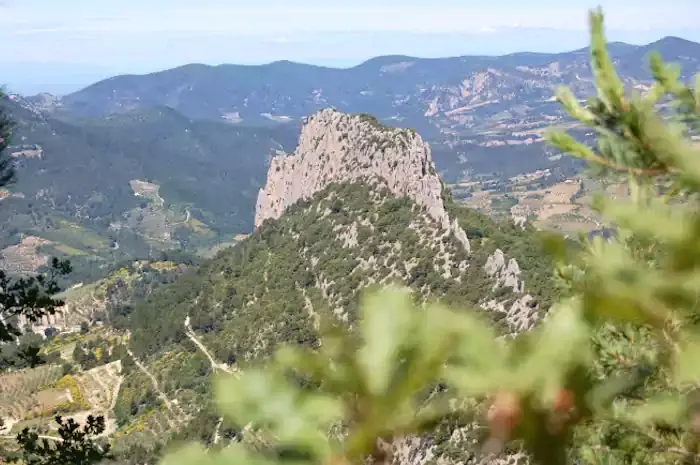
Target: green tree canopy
(610, 376)
(32, 297)
(73, 446)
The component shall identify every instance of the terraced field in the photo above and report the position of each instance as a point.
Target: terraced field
(66, 342)
(19, 391)
(25, 256)
(100, 385)
(152, 427)
(27, 399)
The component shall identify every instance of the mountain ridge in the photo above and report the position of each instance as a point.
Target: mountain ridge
(310, 262)
(469, 97)
(307, 262)
(123, 185)
(383, 59)
(483, 117)
(335, 147)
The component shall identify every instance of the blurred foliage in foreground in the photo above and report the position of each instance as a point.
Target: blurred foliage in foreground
(611, 375)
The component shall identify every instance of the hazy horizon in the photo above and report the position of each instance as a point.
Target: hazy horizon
(60, 47)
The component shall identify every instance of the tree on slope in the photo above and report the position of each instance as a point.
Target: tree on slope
(7, 171)
(73, 446)
(32, 297)
(610, 376)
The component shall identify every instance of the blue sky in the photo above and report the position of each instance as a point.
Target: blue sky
(59, 45)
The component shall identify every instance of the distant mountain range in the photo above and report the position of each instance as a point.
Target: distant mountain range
(470, 108)
(427, 93)
(372, 211)
(138, 165)
(175, 159)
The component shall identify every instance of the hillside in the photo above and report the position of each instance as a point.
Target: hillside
(306, 266)
(123, 186)
(437, 92)
(136, 165)
(316, 247)
(484, 116)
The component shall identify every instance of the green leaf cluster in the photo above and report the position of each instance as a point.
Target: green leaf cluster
(611, 375)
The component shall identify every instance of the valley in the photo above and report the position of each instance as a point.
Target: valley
(563, 207)
(184, 175)
(216, 214)
(314, 250)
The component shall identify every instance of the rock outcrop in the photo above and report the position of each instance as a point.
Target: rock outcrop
(520, 314)
(505, 275)
(335, 147)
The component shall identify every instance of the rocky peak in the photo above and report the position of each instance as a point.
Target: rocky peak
(521, 313)
(505, 275)
(335, 147)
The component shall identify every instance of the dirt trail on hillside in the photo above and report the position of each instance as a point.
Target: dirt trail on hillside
(156, 386)
(214, 364)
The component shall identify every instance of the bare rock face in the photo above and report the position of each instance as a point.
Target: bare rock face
(505, 275)
(520, 315)
(338, 147)
(335, 147)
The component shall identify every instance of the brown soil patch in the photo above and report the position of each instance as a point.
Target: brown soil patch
(50, 398)
(24, 256)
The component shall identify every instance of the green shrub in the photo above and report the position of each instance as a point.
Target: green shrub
(612, 374)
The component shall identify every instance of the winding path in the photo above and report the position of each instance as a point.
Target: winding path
(187, 218)
(216, 366)
(156, 386)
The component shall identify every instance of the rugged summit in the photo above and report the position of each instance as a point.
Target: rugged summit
(357, 205)
(335, 147)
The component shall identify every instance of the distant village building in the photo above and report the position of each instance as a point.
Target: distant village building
(47, 320)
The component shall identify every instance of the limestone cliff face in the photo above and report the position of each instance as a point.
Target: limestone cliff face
(520, 314)
(337, 147)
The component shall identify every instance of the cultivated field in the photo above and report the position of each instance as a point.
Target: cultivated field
(561, 207)
(21, 392)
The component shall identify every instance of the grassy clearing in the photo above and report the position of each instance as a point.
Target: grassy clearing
(199, 227)
(74, 236)
(68, 250)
